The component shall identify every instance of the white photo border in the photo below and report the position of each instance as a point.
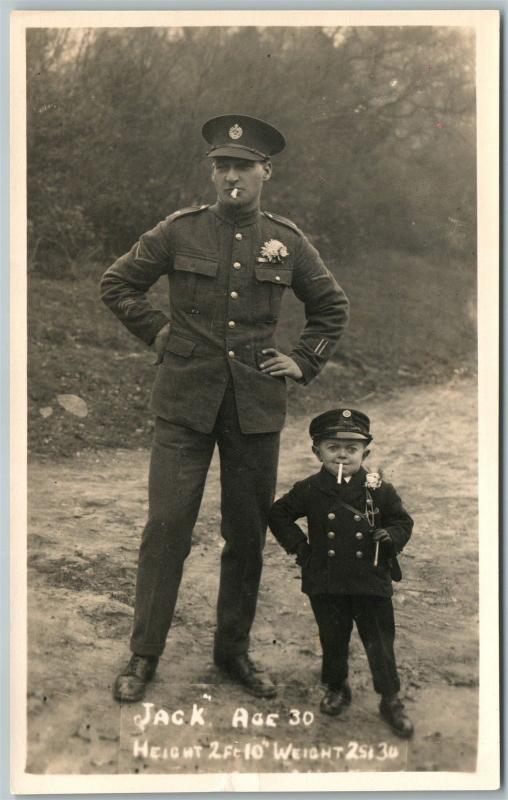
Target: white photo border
(486, 24)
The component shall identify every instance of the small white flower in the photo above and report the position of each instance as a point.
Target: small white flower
(373, 480)
(274, 251)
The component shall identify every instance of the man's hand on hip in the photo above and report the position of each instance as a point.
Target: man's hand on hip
(279, 365)
(160, 342)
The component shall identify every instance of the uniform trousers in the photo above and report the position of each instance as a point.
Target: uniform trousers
(335, 614)
(179, 465)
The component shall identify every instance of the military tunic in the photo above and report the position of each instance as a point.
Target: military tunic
(225, 298)
(338, 571)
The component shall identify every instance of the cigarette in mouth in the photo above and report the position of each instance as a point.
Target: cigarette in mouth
(339, 474)
(234, 194)
(376, 554)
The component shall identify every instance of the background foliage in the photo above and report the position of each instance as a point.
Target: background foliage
(379, 171)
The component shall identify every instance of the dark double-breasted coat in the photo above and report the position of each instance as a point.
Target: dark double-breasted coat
(341, 520)
(225, 298)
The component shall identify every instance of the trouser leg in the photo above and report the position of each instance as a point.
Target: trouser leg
(178, 468)
(248, 477)
(376, 627)
(334, 617)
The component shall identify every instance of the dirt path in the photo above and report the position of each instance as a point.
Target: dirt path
(85, 520)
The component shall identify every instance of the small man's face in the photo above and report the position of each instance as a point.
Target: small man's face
(239, 182)
(348, 452)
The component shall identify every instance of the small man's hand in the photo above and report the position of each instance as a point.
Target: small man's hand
(380, 535)
(279, 365)
(160, 342)
(303, 554)
(383, 537)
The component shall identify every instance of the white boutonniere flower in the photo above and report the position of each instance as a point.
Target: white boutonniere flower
(373, 480)
(274, 251)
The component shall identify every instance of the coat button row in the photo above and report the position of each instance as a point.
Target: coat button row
(359, 535)
(238, 237)
(357, 518)
(331, 535)
(359, 554)
(237, 265)
(331, 553)
(331, 515)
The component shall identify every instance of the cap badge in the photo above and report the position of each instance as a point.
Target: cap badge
(346, 413)
(235, 132)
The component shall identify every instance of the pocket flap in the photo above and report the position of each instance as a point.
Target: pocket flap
(282, 276)
(201, 266)
(180, 346)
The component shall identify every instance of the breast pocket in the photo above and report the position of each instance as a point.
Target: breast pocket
(192, 282)
(270, 284)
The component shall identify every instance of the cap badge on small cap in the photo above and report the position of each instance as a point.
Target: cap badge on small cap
(340, 423)
(235, 132)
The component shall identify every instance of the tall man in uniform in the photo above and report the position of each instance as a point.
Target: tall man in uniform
(220, 381)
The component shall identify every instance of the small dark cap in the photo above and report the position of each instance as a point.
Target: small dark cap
(340, 423)
(238, 136)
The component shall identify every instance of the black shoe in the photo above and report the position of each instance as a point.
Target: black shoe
(393, 712)
(130, 685)
(336, 700)
(242, 669)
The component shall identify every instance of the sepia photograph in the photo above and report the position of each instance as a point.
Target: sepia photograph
(255, 407)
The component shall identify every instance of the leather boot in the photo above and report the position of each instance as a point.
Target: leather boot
(130, 685)
(336, 700)
(393, 712)
(243, 670)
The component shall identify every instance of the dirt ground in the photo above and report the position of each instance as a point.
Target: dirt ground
(85, 521)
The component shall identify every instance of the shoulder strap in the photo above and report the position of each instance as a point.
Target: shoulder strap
(362, 514)
(183, 212)
(353, 509)
(283, 221)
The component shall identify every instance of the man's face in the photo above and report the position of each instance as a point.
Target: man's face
(247, 177)
(348, 452)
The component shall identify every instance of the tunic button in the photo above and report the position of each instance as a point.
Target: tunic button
(231, 323)
(331, 553)
(277, 277)
(359, 554)
(357, 518)
(331, 515)
(331, 535)
(234, 295)
(237, 265)
(238, 237)
(359, 535)
(231, 353)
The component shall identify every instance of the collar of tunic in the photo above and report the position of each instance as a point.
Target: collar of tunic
(236, 217)
(354, 489)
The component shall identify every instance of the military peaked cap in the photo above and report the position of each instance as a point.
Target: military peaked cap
(237, 136)
(340, 423)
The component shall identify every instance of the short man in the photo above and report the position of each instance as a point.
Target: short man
(221, 381)
(356, 526)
